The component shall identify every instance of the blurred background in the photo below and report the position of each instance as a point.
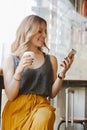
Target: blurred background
(67, 28)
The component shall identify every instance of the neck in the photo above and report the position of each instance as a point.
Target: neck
(35, 49)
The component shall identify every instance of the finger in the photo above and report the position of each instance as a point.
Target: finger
(63, 64)
(66, 61)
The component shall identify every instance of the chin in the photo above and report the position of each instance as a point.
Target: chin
(40, 45)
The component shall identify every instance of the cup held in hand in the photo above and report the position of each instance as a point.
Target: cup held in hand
(29, 53)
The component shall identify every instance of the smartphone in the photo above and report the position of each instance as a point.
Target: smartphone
(72, 52)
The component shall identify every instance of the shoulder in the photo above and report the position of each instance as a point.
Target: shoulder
(9, 58)
(8, 62)
(54, 63)
(53, 59)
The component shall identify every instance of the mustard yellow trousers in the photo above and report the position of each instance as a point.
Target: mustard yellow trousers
(28, 112)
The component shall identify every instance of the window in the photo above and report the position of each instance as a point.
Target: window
(12, 12)
(66, 27)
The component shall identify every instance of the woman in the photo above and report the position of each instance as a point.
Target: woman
(29, 81)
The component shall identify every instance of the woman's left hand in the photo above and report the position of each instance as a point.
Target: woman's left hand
(66, 63)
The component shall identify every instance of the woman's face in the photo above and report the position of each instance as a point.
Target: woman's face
(38, 39)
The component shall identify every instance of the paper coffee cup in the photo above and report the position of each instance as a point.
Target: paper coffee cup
(29, 53)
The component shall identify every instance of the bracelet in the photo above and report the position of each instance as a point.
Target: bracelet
(17, 79)
(60, 77)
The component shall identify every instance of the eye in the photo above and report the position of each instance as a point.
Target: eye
(41, 31)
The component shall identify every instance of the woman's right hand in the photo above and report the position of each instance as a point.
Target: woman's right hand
(25, 62)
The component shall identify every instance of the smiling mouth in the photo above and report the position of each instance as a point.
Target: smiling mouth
(41, 40)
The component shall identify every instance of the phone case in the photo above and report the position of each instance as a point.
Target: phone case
(72, 52)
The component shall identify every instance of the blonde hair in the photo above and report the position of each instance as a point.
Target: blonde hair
(28, 28)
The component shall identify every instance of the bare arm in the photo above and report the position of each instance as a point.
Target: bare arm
(57, 81)
(11, 85)
(12, 79)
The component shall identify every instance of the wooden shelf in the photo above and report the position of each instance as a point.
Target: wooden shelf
(75, 83)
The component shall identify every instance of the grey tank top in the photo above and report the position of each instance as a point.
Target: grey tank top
(36, 81)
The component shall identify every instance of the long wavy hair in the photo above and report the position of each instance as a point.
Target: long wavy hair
(27, 29)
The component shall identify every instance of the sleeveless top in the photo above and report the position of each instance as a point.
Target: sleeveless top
(36, 81)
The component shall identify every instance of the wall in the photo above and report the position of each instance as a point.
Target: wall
(80, 103)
